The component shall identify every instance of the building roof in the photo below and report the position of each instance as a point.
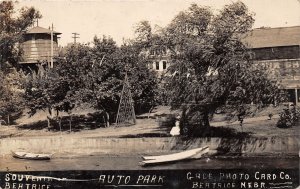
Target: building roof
(38, 29)
(273, 37)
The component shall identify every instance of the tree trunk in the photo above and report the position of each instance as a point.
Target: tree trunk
(150, 111)
(8, 120)
(48, 121)
(205, 119)
(49, 118)
(107, 119)
(203, 128)
(59, 120)
(103, 118)
(70, 123)
(59, 123)
(194, 122)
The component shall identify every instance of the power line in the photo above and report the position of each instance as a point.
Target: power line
(75, 36)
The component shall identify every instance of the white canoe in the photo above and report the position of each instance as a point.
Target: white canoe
(188, 154)
(31, 156)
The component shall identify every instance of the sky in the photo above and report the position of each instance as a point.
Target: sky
(117, 18)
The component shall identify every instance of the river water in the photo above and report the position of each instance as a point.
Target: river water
(123, 162)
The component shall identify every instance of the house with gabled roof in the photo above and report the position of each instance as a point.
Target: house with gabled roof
(278, 51)
(275, 49)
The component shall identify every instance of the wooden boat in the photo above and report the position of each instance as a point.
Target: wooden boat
(31, 156)
(188, 154)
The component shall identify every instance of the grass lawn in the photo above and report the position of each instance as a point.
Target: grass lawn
(263, 127)
(256, 126)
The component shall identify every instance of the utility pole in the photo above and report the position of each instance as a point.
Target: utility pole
(75, 37)
(51, 55)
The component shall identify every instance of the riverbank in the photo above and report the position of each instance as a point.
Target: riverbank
(260, 143)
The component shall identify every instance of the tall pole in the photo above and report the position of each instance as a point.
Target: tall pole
(51, 56)
(75, 37)
(296, 96)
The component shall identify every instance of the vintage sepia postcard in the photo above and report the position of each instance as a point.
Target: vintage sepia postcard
(149, 94)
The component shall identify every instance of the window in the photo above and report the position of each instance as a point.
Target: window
(163, 51)
(157, 65)
(152, 52)
(164, 65)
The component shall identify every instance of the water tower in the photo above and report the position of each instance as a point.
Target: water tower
(39, 45)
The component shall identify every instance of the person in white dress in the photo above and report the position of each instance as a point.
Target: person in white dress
(175, 131)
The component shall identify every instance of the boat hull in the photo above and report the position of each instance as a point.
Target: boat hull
(31, 156)
(185, 155)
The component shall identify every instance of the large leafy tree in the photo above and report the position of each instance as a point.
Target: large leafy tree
(143, 82)
(55, 90)
(12, 26)
(211, 66)
(11, 90)
(101, 77)
(105, 80)
(92, 74)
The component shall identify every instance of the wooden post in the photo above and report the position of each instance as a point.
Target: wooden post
(118, 113)
(132, 106)
(75, 37)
